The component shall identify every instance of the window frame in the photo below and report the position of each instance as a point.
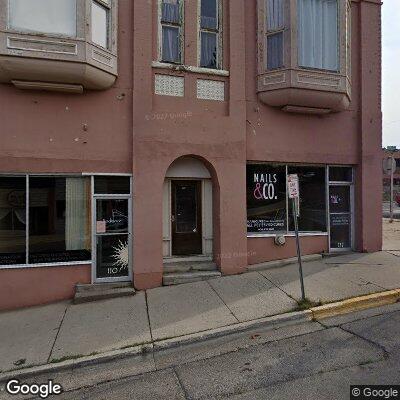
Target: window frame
(272, 32)
(107, 5)
(78, 19)
(93, 197)
(218, 31)
(181, 34)
(288, 232)
(339, 15)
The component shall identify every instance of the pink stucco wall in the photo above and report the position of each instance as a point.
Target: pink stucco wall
(131, 130)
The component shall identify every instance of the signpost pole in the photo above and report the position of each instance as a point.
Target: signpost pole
(391, 188)
(293, 187)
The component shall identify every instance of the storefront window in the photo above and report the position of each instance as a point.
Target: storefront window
(59, 223)
(112, 185)
(12, 220)
(266, 198)
(340, 174)
(312, 186)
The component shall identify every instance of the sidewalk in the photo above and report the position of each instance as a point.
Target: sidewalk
(61, 331)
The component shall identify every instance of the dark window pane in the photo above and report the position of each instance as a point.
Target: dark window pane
(312, 199)
(340, 174)
(170, 11)
(59, 222)
(112, 256)
(209, 14)
(339, 199)
(112, 216)
(340, 231)
(12, 220)
(275, 51)
(112, 184)
(208, 50)
(170, 44)
(266, 198)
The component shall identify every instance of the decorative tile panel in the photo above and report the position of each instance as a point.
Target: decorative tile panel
(210, 90)
(167, 85)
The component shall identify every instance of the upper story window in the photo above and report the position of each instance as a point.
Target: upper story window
(318, 32)
(210, 34)
(275, 26)
(43, 16)
(171, 30)
(100, 24)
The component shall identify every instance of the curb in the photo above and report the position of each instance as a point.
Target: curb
(355, 304)
(292, 317)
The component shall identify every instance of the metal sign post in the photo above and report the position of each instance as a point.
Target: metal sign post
(389, 166)
(293, 190)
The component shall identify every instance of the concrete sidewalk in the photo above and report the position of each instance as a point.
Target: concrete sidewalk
(62, 331)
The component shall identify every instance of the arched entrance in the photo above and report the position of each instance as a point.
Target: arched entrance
(187, 210)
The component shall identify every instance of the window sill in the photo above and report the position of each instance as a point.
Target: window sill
(289, 234)
(189, 68)
(43, 265)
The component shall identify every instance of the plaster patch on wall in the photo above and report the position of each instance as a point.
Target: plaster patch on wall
(210, 90)
(167, 85)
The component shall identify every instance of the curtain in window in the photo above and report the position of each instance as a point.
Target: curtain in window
(170, 44)
(76, 213)
(209, 14)
(170, 11)
(318, 34)
(208, 50)
(274, 14)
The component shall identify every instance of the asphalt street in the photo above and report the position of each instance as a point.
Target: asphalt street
(312, 360)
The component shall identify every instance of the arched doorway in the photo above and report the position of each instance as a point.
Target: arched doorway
(187, 210)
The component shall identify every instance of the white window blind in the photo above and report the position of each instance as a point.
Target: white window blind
(100, 24)
(318, 34)
(44, 16)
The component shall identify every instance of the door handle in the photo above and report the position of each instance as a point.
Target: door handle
(172, 218)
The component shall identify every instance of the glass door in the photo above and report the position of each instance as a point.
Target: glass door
(340, 217)
(112, 227)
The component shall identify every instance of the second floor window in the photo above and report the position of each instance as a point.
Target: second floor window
(318, 34)
(171, 30)
(275, 29)
(210, 34)
(43, 16)
(100, 24)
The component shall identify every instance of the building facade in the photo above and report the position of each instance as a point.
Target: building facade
(134, 133)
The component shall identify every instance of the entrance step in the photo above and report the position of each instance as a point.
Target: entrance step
(102, 291)
(177, 278)
(189, 270)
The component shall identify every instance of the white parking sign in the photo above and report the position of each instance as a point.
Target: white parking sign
(293, 186)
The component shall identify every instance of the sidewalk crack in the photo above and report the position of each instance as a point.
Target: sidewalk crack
(275, 285)
(58, 331)
(226, 305)
(148, 315)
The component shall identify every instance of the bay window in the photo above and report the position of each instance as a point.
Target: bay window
(59, 45)
(304, 55)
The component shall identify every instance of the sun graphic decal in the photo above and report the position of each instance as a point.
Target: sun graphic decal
(121, 255)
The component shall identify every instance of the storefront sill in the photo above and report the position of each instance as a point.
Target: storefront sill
(273, 235)
(60, 264)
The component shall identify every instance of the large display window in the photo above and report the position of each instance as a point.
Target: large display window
(267, 203)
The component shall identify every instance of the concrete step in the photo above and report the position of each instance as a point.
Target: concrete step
(189, 266)
(177, 278)
(80, 287)
(85, 294)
